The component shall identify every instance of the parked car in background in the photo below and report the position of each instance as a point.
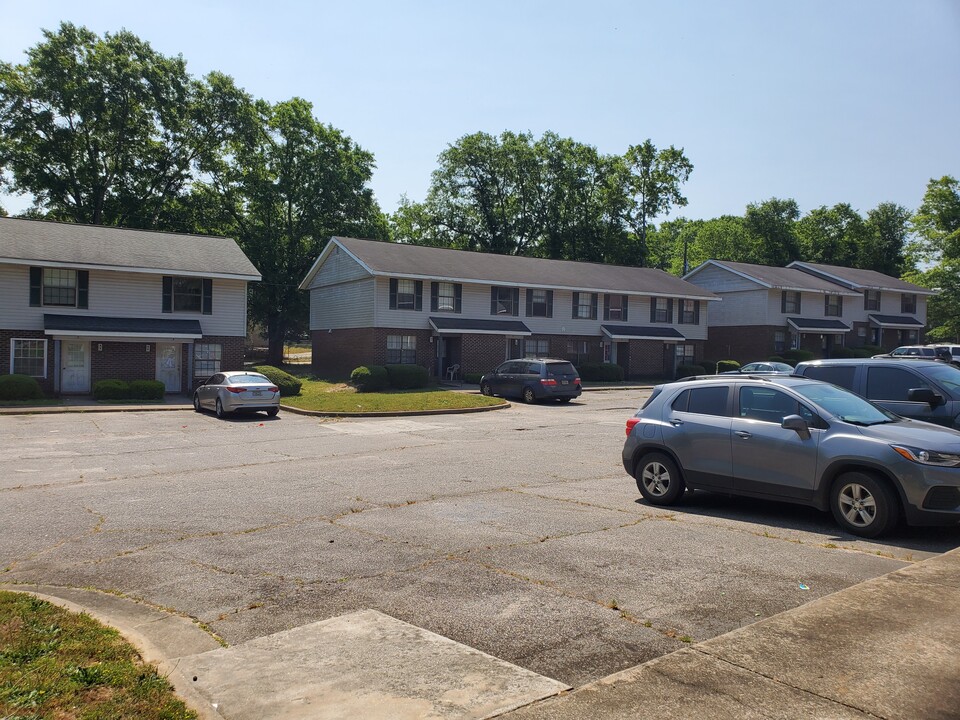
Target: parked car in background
(950, 353)
(796, 440)
(921, 389)
(533, 379)
(927, 351)
(761, 368)
(238, 391)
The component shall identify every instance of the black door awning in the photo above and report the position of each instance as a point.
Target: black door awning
(121, 327)
(641, 332)
(466, 326)
(818, 325)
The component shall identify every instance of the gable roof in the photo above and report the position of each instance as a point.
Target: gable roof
(860, 279)
(428, 263)
(777, 278)
(41, 242)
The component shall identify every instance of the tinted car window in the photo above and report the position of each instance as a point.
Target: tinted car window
(767, 404)
(248, 378)
(708, 401)
(680, 404)
(560, 369)
(842, 376)
(885, 383)
(947, 376)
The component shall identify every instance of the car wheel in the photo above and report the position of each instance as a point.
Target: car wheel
(486, 390)
(863, 505)
(659, 479)
(272, 412)
(196, 403)
(220, 411)
(528, 396)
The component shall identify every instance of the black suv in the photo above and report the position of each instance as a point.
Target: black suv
(533, 379)
(918, 389)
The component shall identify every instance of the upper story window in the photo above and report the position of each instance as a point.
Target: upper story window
(446, 297)
(58, 287)
(615, 307)
(908, 303)
(539, 303)
(661, 310)
(406, 294)
(504, 301)
(871, 299)
(187, 295)
(689, 312)
(833, 305)
(585, 306)
(790, 301)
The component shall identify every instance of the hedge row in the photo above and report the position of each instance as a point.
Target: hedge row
(288, 384)
(371, 378)
(601, 372)
(19, 387)
(123, 390)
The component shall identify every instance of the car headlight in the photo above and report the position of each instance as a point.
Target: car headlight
(928, 457)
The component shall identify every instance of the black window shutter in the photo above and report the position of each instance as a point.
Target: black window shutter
(826, 305)
(799, 303)
(606, 307)
(83, 289)
(696, 312)
(593, 306)
(36, 287)
(167, 294)
(653, 309)
(418, 300)
(434, 292)
(493, 301)
(457, 298)
(516, 302)
(623, 313)
(207, 301)
(669, 310)
(576, 302)
(866, 299)
(783, 301)
(550, 303)
(529, 295)
(840, 306)
(393, 293)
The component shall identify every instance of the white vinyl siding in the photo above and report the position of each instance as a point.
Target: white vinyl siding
(347, 305)
(122, 294)
(743, 308)
(719, 280)
(339, 267)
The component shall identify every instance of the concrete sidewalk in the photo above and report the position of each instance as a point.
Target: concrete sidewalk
(886, 648)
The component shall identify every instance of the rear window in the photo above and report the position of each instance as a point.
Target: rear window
(564, 368)
(248, 378)
(842, 375)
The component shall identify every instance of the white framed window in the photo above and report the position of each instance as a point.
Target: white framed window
(406, 294)
(207, 359)
(908, 303)
(533, 348)
(60, 287)
(688, 312)
(401, 349)
(446, 297)
(871, 299)
(28, 357)
(685, 354)
(833, 306)
(779, 341)
(615, 307)
(187, 294)
(584, 305)
(661, 310)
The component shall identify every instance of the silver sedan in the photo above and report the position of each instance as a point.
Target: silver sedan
(238, 391)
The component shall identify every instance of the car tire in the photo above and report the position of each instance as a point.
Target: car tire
(486, 390)
(659, 479)
(272, 412)
(196, 403)
(863, 505)
(528, 396)
(221, 413)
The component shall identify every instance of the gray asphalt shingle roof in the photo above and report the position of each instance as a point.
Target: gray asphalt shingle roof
(782, 278)
(93, 246)
(384, 258)
(856, 278)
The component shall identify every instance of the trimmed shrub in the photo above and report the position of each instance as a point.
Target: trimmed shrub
(842, 353)
(111, 390)
(863, 353)
(601, 372)
(472, 378)
(370, 378)
(792, 357)
(288, 384)
(727, 365)
(407, 377)
(147, 390)
(776, 358)
(689, 371)
(871, 350)
(19, 387)
(709, 367)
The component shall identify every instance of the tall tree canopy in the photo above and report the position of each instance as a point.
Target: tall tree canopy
(770, 226)
(107, 130)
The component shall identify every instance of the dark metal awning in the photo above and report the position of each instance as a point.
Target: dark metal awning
(119, 328)
(641, 332)
(818, 325)
(467, 326)
(905, 322)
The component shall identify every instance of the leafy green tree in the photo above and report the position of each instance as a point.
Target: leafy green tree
(832, 236)
(771, 228)
(107, 130)
(654, 181)
(283, 189)
(883, 247)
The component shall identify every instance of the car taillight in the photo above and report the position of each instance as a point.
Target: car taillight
(235, 390)
(576, 381)
(548, 382)
(273, 389)
(631, 422)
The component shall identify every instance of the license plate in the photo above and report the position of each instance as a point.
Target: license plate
(257, 393)
(564, 382)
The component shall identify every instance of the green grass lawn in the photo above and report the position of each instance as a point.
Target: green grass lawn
(58, 664)
(40, 402)
(326, 396)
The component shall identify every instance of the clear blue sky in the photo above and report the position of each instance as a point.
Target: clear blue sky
(822, 101)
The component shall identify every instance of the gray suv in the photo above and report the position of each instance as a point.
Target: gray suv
(796, 440)
(919, 389)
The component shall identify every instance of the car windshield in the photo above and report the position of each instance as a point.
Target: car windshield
(946, 376)
(845, 405)
(247, 379)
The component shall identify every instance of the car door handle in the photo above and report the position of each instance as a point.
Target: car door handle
(676, 423)
(744, 434)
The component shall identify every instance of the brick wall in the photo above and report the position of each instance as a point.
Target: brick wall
(122, 361)
(482, 353)
(337, 353)
(5, 345)
(743, 344)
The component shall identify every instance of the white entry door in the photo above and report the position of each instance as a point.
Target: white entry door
(168, 366)
(75, 367)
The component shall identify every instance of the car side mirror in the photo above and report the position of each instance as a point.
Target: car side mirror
(925, 395)
(797, 424)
